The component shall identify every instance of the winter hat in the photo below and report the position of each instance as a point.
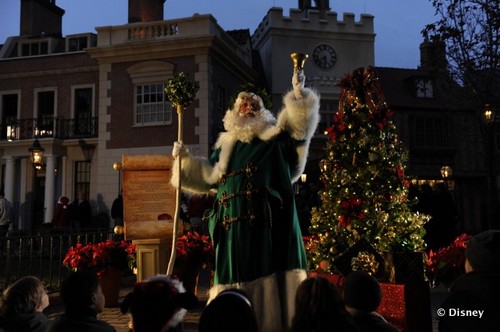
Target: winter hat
(483, 251)
(362, 291)
(231, 310)
(64, 200)
(157, 304)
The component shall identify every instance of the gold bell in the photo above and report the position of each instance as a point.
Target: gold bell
(299, 60)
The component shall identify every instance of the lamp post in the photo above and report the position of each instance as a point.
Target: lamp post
(489, 120)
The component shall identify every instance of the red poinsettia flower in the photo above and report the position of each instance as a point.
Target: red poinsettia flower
(445, 264)
(99, 256)
(196, 247)
(352, 209)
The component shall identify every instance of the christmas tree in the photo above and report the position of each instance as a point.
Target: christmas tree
(365, 190)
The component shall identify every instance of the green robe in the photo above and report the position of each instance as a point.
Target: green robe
(254, 224)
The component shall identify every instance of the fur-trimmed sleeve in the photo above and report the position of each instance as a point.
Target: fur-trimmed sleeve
(192, 168)
(300, 118)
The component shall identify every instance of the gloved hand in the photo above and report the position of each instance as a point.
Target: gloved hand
(298, 80)
(179, 149)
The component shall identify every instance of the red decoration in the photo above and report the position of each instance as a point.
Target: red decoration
(446, 264)
(99, 256)
(196, 248)
(352, 208)
(406, 306)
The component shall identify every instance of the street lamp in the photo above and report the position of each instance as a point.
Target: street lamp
(489, 120)
(36, 154)
(489, 113)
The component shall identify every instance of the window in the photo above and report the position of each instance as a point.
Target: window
(425, 88)
(327, 111)
(82, 177)
(77, 44)
(151, 108)
(9, 105)
(432, 133)
(45, 113)
(83, 104)
(35, 48)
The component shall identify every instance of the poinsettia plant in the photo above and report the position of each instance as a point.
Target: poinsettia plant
(195, 247)
(98, 256)
(446, 264)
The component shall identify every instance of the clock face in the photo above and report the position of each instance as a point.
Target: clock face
(324, 56)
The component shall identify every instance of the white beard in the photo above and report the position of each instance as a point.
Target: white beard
(245, 128)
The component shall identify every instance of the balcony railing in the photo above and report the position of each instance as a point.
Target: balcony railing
(41, 254)
(49, 127)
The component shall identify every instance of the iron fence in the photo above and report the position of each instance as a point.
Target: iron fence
(41, 254)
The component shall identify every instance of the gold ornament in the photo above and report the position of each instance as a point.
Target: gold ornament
(118, 230)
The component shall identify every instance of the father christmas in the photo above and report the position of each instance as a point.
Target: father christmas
(254, 225)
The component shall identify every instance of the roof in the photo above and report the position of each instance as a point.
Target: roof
(398, 86)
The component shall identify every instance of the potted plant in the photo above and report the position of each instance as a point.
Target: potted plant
(446, 264)
(100, 256)
(194, 252)
(108, 259)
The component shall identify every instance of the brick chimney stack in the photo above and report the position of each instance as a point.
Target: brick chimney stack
(40, 18)
(145, 10)
(433, 56)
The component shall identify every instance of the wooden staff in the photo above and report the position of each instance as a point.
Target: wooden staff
(173, 253)
(180, 92)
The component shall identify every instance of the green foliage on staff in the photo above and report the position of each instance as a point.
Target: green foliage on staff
(180, 90)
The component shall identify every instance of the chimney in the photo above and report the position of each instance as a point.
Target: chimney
(145, 10)
(433, 56)
(323, 7)
(40, 18)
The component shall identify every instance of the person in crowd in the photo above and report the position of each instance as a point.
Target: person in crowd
(117, 210)
(197, 205)
(230, 311)
(362, 296)
(62, 214)
(81, 212)
(473, 304)
(319, 307)
(254, 224)
(83, 299)
(22, 305)
(158, 304)
(6, 217)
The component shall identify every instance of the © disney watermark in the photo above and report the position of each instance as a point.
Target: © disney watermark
(457, 312)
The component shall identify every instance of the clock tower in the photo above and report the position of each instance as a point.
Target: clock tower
(336, 44)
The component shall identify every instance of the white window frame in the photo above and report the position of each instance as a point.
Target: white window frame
(425, 88)
(160, 109)
(148, 73)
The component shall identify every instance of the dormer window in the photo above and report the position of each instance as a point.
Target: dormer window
(34, 48)
(424, 88)
(37, 46)
(77, 43)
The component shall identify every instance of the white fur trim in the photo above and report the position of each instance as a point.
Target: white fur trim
(179, 315)
(264, 295)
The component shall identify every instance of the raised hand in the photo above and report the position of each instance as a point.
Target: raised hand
(298, 81)
(179, 149)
